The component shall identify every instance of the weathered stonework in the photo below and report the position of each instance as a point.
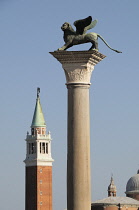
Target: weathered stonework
(77, 73)
(78, 67)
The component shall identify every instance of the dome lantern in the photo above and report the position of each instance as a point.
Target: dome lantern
(112, 188)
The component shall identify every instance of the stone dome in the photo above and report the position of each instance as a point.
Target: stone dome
(133, 184)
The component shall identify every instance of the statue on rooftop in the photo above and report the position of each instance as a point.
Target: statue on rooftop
(72, 37)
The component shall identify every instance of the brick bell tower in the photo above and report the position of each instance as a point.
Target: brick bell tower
(38, 180)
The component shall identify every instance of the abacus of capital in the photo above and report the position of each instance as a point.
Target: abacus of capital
(78, 67)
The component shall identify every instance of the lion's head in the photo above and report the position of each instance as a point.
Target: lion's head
(65, 26)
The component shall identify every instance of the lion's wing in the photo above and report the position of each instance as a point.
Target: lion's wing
(82, 24)
(92, 25)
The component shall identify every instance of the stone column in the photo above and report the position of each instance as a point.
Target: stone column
(78, 67)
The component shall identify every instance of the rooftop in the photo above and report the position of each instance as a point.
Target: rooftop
(116, 200)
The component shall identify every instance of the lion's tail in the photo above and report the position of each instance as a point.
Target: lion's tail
(107, 44)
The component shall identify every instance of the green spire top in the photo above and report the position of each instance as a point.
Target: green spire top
(38, 117)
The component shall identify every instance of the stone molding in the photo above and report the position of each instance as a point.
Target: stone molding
(132, 192)
(78, 65)
(36, 162)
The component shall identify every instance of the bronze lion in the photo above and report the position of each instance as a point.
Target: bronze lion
(72, 37)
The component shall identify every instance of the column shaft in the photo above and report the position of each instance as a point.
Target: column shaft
(78, 159)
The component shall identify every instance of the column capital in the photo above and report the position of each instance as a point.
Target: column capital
(78, 65)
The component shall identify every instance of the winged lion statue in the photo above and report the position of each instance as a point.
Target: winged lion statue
(72, 37)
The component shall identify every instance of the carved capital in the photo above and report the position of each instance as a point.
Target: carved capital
(78, 72)
(78, 65)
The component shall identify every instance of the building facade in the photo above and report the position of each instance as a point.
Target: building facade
(115, 203)
(112, 202)
(38, 175)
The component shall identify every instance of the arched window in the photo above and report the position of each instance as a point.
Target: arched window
(32, 148)
(32, 132)
(46, 148)
(43, 148)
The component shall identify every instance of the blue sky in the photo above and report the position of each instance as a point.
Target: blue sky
(30, 29)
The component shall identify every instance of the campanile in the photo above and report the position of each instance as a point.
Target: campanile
(38, 170)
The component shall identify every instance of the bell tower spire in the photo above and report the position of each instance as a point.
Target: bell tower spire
(38, 163)
(38, 117)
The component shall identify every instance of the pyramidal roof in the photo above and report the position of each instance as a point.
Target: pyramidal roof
(38, 117)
